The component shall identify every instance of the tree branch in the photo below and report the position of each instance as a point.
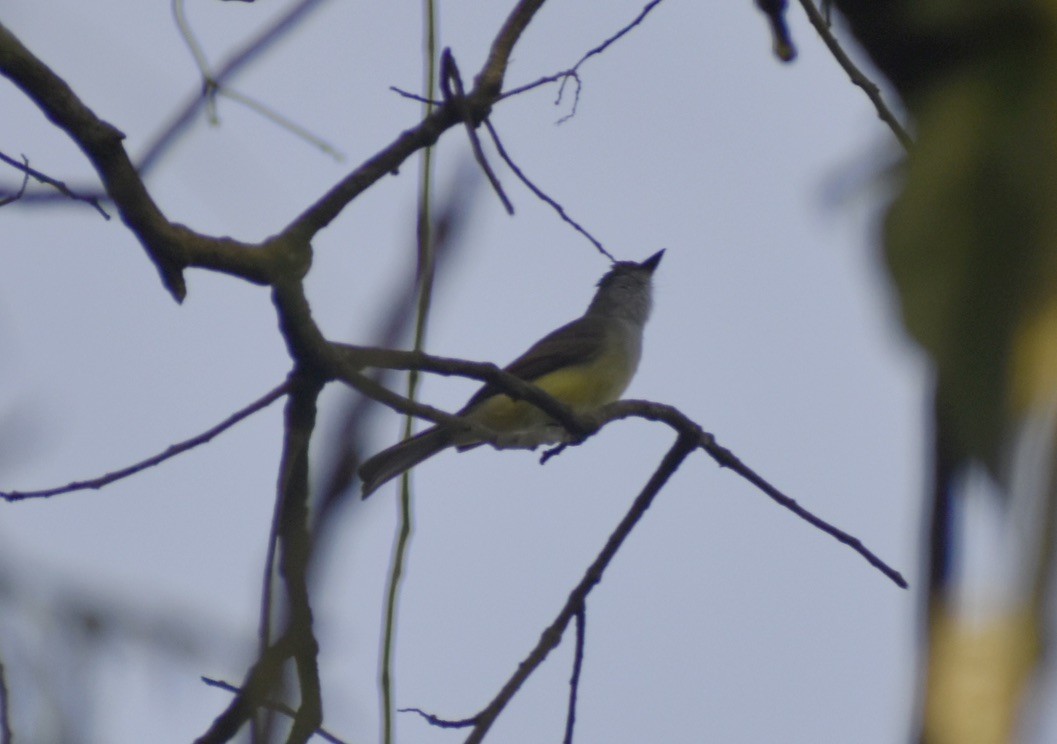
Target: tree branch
(276, 705)
(252, 694)
(293, 538)
(59, 186)
(96, 483)
(552, 635)
(727, 459)
(857, 76)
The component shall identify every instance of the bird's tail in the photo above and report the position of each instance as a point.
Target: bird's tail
(391, 462)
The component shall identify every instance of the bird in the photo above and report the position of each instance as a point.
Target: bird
(584, 364)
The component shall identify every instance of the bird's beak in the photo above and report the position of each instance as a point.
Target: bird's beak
(651, 263)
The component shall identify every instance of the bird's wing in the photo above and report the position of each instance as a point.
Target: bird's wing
(578, 342)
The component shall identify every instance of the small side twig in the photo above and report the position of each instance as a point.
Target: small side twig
(449, 77)
(415, 96)
(857, 76)
(212, 86)
(541, 194)
(619, 34)
(21, 189)
(574, 72)
(439, 722)
(277, 706)
(59, 186)
(727, 459)
(172, 451)
(261, 677)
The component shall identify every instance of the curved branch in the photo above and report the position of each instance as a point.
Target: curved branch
(171, 246)
(582, 426)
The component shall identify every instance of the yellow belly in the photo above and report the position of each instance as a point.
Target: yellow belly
(583, 388)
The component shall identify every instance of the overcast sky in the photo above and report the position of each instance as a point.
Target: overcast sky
(724, 618)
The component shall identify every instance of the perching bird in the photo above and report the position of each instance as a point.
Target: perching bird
(584, 364)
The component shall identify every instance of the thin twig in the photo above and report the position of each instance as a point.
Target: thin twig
(260, 679)
(427, 246)
(283, 122)
(541, 194)
(857, 76)
(439, 722)
(48, 180)
(190, 39)
(449, 76)
(574, 681)
(552, 635)
(487, 86)
(573, 72)
(22, 188)
(277, 706)
(727, 459)
(227, 69)
(172, 451)
(212, 86)
(415, 96)
(619, 34)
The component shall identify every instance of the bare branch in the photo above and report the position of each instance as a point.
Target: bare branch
(489, 81)
(292, 537)
(727, 459)
(260, 679)
(414, 96)
(573, 72)
(25, 180)
(61, 187)
(439, 722)
(172, 451)
(212, 87)
(227, 69)
(282, 121)
(541, 194)
(690, 437)
(574, 605)
(619, 34)
(487, 86)
(857, 76)
(449, 76)
(580, 427)
(574, 681)
(277, 706)
(170, 246)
